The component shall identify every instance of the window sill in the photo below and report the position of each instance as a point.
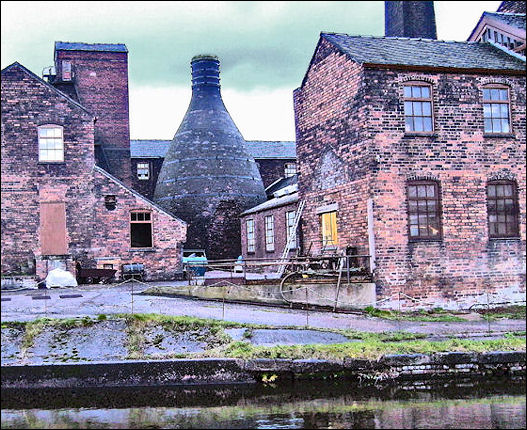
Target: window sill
(514, 238)
(498, 135)
(417, 134)
(425, 240)
(51, 162)
(142, 250)
(269, 251)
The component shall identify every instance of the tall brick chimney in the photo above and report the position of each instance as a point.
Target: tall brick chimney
(208, 178)
(415, 19)
(99, 74)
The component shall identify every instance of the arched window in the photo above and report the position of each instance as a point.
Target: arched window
(424, 210)
(50, 143)
(418, 107)
(502, 209)
(496, 111)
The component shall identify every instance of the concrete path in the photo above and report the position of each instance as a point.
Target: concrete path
(103, 299)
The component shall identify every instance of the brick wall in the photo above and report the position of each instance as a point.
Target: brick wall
(272, 169)
(352, 147)
(146, 187)
(280, 232)
(101, 82)
(93, 233)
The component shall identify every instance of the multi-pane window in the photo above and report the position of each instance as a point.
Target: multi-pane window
(143, 171)
(269, 233)
(496, 110)
(418, 108)
(50, 143)
(329, 229)
(251, 241)
(424, 210)
(289, 169)
(141, 229)
(290, 224)
(502, 209)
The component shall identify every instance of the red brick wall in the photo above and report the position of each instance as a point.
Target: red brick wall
(92, 231)
(332, 149)
(351, 147)
(280, 232)
(101, 81)
(463, 159)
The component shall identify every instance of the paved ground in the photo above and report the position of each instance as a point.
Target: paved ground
(94, 300)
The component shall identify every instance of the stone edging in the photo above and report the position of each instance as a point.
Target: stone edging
(221, 371)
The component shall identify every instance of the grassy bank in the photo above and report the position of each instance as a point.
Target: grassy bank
(218, 343)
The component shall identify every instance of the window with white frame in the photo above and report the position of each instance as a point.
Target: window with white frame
(290, 224)
(269, 233)
(251, 242)
(50, 143)
(143, 171)
(289, 169)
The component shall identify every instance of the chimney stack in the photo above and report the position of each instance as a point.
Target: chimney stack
(414, 19)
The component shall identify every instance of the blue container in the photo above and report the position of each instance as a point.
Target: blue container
(197, 259)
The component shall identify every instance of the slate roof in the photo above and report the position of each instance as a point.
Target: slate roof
(273, 203)
(271, 149)
(154, 148)
(424, 52)
(80, 46)
(513, 19)
(281, 183)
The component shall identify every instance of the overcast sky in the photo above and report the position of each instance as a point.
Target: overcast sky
(264, 49)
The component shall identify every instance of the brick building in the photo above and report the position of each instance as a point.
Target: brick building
(265, 228)
(58, 207)
(413, 151)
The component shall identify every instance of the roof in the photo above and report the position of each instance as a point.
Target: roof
(273, 203)
(47, 84)
(80, 46)
(281, 183)
(513, 19)
(424, 52)
(271, 148)
(259, 149)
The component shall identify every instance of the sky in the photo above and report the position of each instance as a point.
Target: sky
(264, 49)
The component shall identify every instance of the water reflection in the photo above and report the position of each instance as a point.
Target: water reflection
(489, 404)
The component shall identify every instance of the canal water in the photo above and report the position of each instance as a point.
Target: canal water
(496, 403)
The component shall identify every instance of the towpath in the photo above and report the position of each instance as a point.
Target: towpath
(93, 300)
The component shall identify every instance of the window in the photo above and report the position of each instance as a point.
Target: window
(66, 71)
(424, 210)
(269, 233)
(251, 242)
(418, 108)
(329, 229)
(290, 227)
(496, 109)
(140, 229)
(289, 169)
(143, 171)
(502, 209)
(50, 143)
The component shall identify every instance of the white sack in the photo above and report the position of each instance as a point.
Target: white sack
(60, 278)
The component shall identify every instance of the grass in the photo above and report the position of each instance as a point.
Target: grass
(219, 344)
(434, 315)
(515, 312)
(372, 350)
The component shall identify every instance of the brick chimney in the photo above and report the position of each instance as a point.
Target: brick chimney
(415, 19)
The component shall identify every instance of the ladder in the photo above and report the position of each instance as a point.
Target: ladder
(291, 238)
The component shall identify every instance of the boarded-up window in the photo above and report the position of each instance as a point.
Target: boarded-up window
(53, 228)
(329, 229)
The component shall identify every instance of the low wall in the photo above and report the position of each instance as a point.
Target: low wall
(218, 371)
(350, 296)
